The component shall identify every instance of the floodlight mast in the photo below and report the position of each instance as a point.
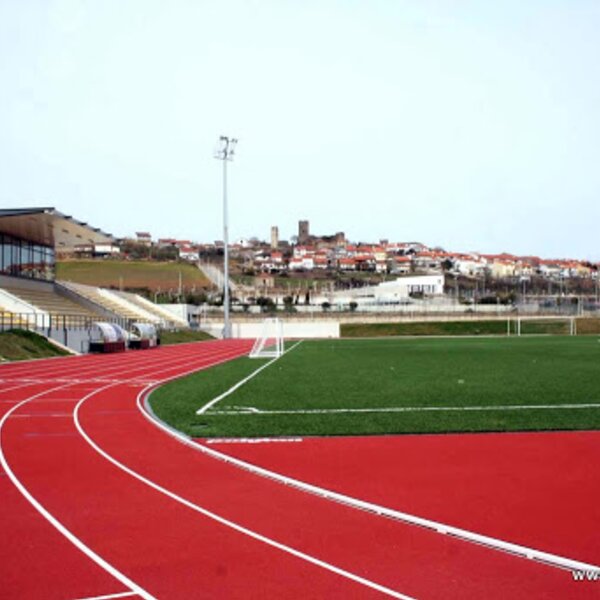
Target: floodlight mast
(224, 152)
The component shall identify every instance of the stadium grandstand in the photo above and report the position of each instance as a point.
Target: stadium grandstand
(30, 296)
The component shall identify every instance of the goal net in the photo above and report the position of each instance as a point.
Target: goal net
(270, 343)
(544, 326)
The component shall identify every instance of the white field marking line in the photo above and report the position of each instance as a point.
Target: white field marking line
(239, 384)
(250, 410)
(465, 535)
(110, 596)
(235, 410)
(253, 440)
(53, 520)
(235, 526)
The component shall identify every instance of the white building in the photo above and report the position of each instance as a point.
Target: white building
(398, 290)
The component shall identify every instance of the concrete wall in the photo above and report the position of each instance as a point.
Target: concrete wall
(180, 311)
(77, 340)
(291, 329)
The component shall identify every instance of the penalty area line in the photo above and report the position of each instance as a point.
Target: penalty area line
(239, 384)
(254, 440)
(251, 410)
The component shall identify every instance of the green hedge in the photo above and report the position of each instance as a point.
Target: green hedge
(423, 328)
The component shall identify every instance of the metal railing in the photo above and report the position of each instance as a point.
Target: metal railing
(53, 321)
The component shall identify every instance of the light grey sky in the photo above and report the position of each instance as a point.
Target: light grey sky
(473, 125)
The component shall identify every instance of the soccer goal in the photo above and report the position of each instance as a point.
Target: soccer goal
(270, 343)
(545, 326)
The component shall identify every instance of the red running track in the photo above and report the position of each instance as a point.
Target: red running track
(540, 490)
(156, 518)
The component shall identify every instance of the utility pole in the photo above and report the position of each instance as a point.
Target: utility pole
(224, 152)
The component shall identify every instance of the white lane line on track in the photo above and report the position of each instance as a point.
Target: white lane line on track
(250, 410)
(14, 387)
(235, 526)
(35, 415)
(84, 371)
(49, 400)
(99, 367)
(110, 596)
(239, 384)
(173, 363)
(53, 520)
(465, 535)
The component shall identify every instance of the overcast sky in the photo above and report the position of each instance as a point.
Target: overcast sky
(472, 125)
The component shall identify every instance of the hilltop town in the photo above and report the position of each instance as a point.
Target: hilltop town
(343, 263)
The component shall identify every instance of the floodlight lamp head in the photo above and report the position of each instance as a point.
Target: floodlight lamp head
(225, 148)
(231, 147)
(221, 148)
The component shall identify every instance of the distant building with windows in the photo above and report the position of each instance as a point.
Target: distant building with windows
(144, 238)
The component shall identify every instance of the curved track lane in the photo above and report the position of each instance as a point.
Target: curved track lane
(173, 522)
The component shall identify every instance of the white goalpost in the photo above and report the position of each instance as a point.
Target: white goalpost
(544, 326)
(270, 343)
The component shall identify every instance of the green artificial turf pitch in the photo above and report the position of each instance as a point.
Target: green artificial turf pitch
(393, 374)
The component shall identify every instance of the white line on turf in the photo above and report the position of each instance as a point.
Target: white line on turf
(239, 384)
(465, 535)
(235, 526)
(253, 440)
(250, 410)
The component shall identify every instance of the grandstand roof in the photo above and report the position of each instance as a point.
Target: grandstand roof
(49, 227)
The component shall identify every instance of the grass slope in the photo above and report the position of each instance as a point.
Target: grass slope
(182, 336)
(134, 274)
(18, 344)
(348, 330)
(384, 373)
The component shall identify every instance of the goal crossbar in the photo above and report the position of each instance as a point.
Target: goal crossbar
(531, 325)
